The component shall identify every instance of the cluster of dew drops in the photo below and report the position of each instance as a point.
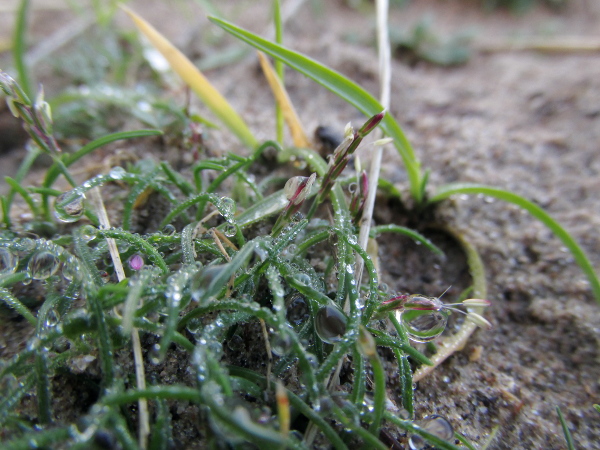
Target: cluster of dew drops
(422, 325)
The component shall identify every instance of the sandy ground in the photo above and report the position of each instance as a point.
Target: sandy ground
(522, 120)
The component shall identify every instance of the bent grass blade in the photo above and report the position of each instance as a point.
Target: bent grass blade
(343, 88)
(196, 81)
(537, 212)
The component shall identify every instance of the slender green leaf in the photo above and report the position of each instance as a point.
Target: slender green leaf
(342, 87)
(537, 212)
(20, 47)
(565, 429)
(376, 231)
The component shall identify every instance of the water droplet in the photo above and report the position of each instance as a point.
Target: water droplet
(424, 325)
(229, 230)
(330, 324)
(226, 207)
(303, 279)
(194, 325)
(155, 354)
(202, 282)
(24, 246)
(280, 345)
(262, 253)
(169, 230)
(117, 173)
(68, 207)
(434, 424)
(43, 265)
(297, 309)
(8, 261)
(52, 318)
(88, 232)
(236, 343)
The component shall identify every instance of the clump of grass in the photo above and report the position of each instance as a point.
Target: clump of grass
(218, 265)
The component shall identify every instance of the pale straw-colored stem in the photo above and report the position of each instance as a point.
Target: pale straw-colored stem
(385, 77)
(144, 417)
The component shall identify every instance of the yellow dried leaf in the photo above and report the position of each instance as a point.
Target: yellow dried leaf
(195, 80)
(283, 100)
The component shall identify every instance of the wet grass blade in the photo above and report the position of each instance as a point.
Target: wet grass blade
(342, 87)
(196, 81)
(14, 303)
(535, 211)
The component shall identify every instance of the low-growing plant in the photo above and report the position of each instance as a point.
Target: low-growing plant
(218, 301)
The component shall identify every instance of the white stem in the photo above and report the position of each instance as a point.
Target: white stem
(385, 77)
(144, 417)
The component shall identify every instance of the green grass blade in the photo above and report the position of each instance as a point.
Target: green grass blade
(565, 428)
(14, 303)
(535, 211)
(415, 235)
(54, 170)
(20, 47)
(342, 87)
(279, 67)
(14, 184)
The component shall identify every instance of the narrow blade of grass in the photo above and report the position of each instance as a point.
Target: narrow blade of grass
(565, 428)
(537, 212)
(14, 184)
(343, 88)
(415, 235)
(195, 80)
(284, 103)
(14, 303)
(20, 47)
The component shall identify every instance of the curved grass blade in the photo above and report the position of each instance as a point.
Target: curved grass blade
(415, 235)
(54, 171)
(458, 340)
(535, 211)
(14, 303)
(195, 80)
(343, 88)
(565, 429)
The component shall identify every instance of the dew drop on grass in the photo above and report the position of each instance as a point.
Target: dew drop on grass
(88, 232)
(202, 282)
(229, 230)
(236, 343)
(424, 325)
(194, 325)
(67, 210)
(43, 265)
(434, 424)
(169, 230)
(280, 345)
(52, 318)
(117, 173)
(24, 246)
(8, 261)
(226, 207)
(296, 309)
(330, 324)
(303, 279)
(155, 354)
